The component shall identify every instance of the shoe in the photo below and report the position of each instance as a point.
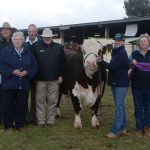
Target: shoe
(111, 135)
(40, 125)
(146, 131)
(50, 124)
(9, 130)
(123, 132)
(139, 133)
(22, 129)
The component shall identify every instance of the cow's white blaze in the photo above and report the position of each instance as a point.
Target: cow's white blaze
(90, 50)
(77, 122)
(90, 64)
(86, 96)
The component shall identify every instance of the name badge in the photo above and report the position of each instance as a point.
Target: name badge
(42, 50)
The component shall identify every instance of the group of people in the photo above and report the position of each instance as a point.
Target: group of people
(37, 63)
(139, 77)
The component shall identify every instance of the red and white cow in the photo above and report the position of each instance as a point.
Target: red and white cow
(82, 80)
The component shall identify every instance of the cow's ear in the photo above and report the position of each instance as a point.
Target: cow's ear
(100, 52)
(83, 51)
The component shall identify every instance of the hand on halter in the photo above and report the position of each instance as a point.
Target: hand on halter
(99, 59)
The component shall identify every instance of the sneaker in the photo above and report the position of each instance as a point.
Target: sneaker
(139, 133)
(123, 132)
(111, 135)
(22, 129)
(147, 131)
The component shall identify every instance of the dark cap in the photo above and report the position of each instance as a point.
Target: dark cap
(119, 37)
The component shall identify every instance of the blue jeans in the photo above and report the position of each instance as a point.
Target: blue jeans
(0, 105)
(119, 94)
(141, 98)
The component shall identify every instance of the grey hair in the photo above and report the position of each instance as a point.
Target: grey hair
(18, 34)
(33, 25)
(146, 36)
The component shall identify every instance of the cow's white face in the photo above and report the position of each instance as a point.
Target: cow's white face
(90, 50)
(90, 64)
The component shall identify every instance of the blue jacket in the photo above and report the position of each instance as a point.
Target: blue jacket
(118, 68)
(9, 61)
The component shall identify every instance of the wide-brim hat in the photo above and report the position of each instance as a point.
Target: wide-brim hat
(6, 25)
(47, 33)
(119, 37)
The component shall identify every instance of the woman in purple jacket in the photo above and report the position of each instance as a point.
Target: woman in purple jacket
(17, 66)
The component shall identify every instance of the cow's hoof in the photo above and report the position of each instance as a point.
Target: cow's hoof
(58, 114)
(95, 122)
(77, 122)
(78, 127)
(96, 127)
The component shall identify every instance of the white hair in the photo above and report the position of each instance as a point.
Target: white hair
(18, 34)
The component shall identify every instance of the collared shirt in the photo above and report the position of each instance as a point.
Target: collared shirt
(31, 42)
(19, 51)
(137, 49)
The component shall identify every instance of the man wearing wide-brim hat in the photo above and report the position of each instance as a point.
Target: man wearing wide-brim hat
(6, 32)
(51, 60)
(5, 40)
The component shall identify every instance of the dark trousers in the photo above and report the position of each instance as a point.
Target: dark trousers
(31, 118)
(141, 99)
(14, 108)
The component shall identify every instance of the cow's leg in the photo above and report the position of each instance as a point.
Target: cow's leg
(94, 121)
(77, 109)
(58, 113)
(102, 85)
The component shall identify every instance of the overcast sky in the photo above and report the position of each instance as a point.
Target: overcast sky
(21, 13)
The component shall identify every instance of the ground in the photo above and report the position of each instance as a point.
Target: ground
(62, 136)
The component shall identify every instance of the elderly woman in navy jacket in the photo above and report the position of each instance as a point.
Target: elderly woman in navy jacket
(17, 66)
(118, 80)
(140, 83)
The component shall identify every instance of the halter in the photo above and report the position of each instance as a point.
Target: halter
(88, 55)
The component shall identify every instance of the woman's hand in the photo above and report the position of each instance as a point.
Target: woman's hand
(19, 73)
(16, 72)
(99, 58)
(134, 62)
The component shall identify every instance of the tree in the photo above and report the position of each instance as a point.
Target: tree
(137, 8)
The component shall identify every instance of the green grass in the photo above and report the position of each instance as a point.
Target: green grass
(62, 136)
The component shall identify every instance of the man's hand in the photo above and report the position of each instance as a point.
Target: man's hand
(60, 80)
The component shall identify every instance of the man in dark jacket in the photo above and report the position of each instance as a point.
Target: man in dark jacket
(51, 60)
(31, 40)
(5, 40)
(118, 80)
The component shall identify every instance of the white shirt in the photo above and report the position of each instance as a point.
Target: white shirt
(31, 42)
